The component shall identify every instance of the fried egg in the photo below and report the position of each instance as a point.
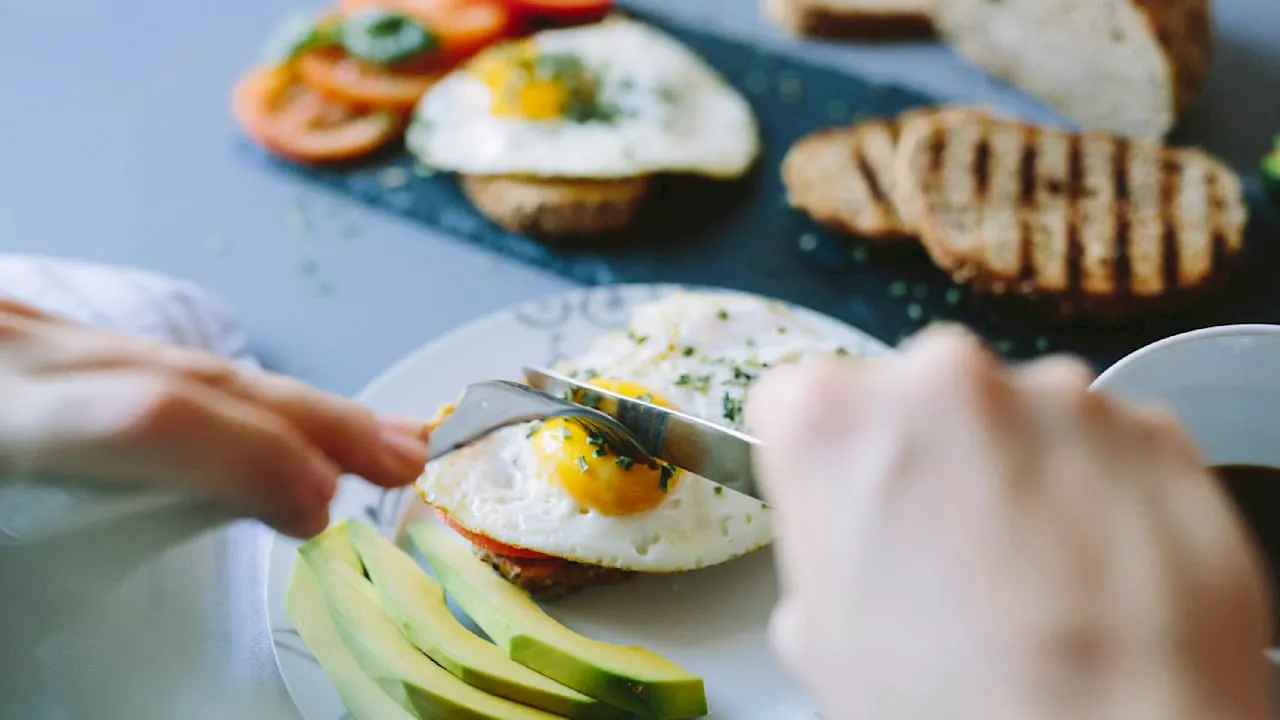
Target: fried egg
(610, 100)
(554, 488)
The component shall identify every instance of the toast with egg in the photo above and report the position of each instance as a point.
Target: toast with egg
(1093, 223)
(554, 509)
(852, 19)
(561, 133)
(844, 177)
(1130, 67)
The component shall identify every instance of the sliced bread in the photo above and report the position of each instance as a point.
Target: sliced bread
(844, 177)
(852, 19)
(1096, 222)
(556, 208)
(1130, 67)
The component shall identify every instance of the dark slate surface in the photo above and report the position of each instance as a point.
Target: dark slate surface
(742, 235)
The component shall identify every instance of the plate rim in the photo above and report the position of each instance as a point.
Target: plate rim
(273, 585)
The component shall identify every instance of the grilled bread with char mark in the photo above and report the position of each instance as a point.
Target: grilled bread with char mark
(845, 177)
(852, 19)
(1097, 223)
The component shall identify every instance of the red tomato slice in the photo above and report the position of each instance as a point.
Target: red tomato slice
(347, 79)
(487, 543)
(280, 112)
(463, 27)
(575, 11)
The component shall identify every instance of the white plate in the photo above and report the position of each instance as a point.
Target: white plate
(711, 622)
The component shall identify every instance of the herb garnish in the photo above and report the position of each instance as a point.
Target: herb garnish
(732, 408)
(637, 339)
(582, 464)
(700, 383)
(719, 490)
(841, 352)
(533, 429)
(722, 314)
(565, 432)
(625, 462)
(689, 351)
(665, 473)
(600, 451)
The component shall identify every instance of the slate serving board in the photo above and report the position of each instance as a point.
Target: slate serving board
(742, 235)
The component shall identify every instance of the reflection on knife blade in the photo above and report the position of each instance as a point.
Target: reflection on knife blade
(720, 454)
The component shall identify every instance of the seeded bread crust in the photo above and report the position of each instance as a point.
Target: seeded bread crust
(555, 208)
(1091, 224)
(550, 579)
(820, 19)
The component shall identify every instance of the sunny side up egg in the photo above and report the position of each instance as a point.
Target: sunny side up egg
(553, 488)
(611, 100)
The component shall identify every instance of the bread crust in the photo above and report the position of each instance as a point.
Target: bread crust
(557, 208)
(551, 578)
(814, 18)
(845, 179)
(1088, 223)
(1185, 31)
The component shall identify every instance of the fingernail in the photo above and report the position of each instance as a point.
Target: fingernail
(412, 427)
(404, 451)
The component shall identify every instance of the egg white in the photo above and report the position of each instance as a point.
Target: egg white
(495, 487)
(679, 115)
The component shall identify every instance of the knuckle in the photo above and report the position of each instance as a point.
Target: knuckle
(162, 406)
(201, 367)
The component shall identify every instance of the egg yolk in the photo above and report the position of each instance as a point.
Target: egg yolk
(527, 85)
(594, 474)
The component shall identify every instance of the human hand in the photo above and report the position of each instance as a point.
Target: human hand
(961, 540)
(81, 401)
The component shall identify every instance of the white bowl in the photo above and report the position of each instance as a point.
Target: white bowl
(1223, 382)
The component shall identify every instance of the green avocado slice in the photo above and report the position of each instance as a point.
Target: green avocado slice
(306, 608)
(631, 678)
(418, 685)
(1271, 169)
(416, 602)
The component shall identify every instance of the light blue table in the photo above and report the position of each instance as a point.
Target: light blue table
(117, 147)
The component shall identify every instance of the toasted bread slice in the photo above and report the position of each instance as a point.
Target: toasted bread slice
(1096, 222)
(556, 208)
(553, 578)
(844, 178)
(1130, 67)
(852, 19)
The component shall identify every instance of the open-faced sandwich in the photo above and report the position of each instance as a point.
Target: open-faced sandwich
(561, 133)
(554, 509)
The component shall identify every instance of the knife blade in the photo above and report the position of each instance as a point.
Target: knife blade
(719, 454)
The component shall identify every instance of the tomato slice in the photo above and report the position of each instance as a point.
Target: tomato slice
(346, 79)
(280, 112)
(488, 543)
(561, 10)
(463, 27)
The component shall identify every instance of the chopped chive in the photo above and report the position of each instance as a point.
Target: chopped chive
(722, 314)
(841, 352)
(637, 339)
(595, 438)
(582, 464)
(625, 462)
(590, 374)
(565, 432)
(664, 477)
(732, 408)
(533, 429)
(600, 452)
(689, 351)
(782, 329)
(719, 490)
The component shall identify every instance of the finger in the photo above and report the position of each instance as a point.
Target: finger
(169, 431)
(10, 306)
(786, 636)
(390, 453)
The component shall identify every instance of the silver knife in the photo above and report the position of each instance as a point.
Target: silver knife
(719, 454)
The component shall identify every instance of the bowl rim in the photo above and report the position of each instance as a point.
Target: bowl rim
(1208, 333)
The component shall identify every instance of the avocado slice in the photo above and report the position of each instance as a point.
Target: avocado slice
(305, 604)
(419, 686)
(416, 602)
(1271, 169)
(631, 678)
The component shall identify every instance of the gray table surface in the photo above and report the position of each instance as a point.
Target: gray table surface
(117, 147)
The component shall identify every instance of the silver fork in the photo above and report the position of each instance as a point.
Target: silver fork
(493, 404)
